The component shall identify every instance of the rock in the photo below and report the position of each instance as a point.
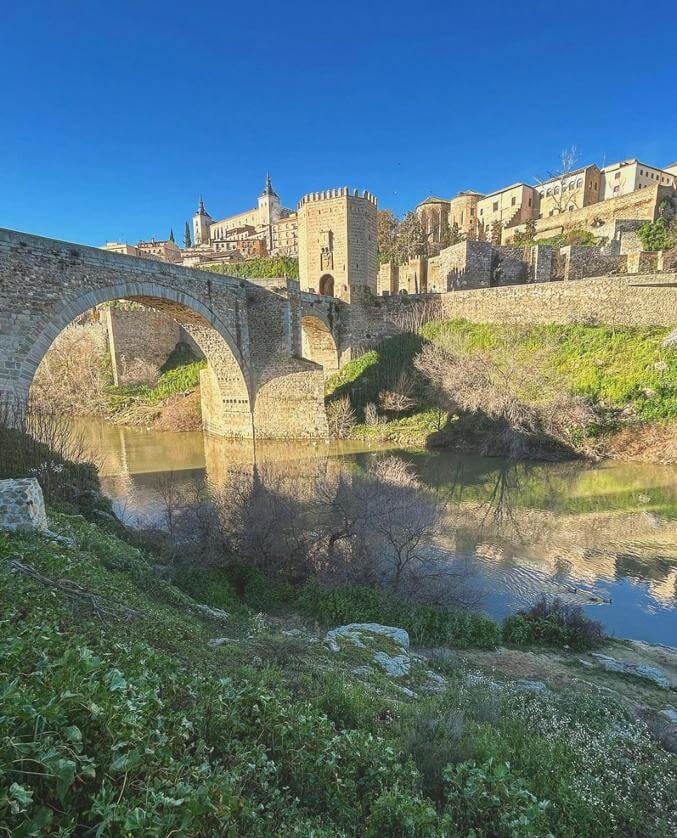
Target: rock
(394, 665)
(22, 506)
(670, 340)
(668, 738)
(532, 686)
(638, 670)
(436, 683)
(221, 641)
(406, 691)
(353, 634)
(60, 539)
(586, 664)
(362, 671)
(670, 714)
(215, 613)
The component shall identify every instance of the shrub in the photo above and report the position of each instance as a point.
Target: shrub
(396, 814)
(427, 626)
(266, 267)
(657, 235)
(48, 447)
(488, 800)
(553, 623)
(73, 375)
(433, 742)
(340, 418)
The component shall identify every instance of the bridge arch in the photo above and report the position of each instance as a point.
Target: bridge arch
(227, 385)
(318, 343)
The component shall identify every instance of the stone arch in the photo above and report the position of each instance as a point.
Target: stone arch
(327, 285)
(318, 344)
(227, 388)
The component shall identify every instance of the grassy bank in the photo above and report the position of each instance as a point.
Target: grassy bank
(624, 376)
(171, 403)
(205, 706)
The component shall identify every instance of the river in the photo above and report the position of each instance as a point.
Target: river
(603, 535)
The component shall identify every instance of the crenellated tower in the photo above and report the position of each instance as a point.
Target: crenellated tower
(337, 243)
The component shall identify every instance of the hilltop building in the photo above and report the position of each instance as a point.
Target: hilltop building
(512, 207)
(268, 222)
(165, 250)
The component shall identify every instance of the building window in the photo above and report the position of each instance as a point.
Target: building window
(495, 206)
(512, 201)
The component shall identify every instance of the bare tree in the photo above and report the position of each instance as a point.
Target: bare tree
(529, 408)
(556, 182)
(412, 316)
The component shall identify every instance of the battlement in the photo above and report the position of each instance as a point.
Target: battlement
(343, 192)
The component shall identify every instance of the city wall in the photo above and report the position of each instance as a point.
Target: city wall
(643, 300)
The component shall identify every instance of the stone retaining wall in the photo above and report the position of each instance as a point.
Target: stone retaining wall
(642, 300)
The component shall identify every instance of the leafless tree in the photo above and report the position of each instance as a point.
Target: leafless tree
(412, 316)
(508, 387)
(555, 183)
(340, 418)
(376, 527)
(400, 397)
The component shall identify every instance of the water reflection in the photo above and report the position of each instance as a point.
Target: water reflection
(604, 536)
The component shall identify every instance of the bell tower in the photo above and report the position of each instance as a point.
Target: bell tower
(202, 222)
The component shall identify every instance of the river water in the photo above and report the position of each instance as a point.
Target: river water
(603, 536)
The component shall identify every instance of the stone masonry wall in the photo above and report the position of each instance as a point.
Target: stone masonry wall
(579, 261)
(639, 205)
(22, 506)
(139, 334)
(649, 300)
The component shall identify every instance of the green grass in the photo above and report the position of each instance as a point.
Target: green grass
(617, 368)
(175, 380)
(119, 717)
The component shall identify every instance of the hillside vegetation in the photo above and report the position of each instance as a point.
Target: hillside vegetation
(264, 268)
(138, 706)
(567, 389)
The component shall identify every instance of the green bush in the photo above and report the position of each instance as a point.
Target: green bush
(553, 623)
(488, 800)
(657, 235)
(426, 625)
(265, 268)
(397, 815)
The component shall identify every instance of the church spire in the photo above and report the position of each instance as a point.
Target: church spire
(201, 206)
(269, 187)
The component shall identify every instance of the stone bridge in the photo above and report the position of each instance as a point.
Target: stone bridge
(267, 344)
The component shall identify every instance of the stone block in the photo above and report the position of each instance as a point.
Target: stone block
(22, 507)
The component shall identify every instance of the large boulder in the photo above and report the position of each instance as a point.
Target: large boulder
(639, 670)
(22, 506)
(357, 633)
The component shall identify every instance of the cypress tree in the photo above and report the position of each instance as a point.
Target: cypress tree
(187, 241)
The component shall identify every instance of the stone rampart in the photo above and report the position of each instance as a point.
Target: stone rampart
(644, 300)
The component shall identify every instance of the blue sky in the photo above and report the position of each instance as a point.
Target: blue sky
(115, 115)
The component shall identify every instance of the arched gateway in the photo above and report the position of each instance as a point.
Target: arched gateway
(253, 384)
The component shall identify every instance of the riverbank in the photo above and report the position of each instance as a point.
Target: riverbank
(225, 709)
(548, 392)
